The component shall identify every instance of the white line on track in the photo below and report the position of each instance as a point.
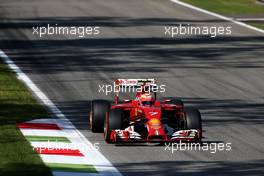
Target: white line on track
(249, 19)
(217, 15)
(98, 158)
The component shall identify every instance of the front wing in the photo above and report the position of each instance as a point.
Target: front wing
(123, 136)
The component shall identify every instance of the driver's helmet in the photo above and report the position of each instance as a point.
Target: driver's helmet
(146, 99)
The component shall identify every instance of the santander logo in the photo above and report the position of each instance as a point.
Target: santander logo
(153, 113)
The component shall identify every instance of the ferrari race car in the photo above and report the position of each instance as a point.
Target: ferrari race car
(144, 118)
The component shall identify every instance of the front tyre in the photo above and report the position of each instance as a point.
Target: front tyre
(98, 111)
(194, 121)
(113, 121)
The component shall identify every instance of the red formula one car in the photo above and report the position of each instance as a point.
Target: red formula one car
(144, 118)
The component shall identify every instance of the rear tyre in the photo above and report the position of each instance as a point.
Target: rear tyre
(176, 102)
(98, 112)
(113, 121)
(194, 121)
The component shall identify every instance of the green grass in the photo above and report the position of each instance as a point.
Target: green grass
(47, 139)
(229, 7)
(258, 25)
(72, 167)
(17, 105)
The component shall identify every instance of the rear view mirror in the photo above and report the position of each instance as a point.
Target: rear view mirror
(126, 101)
(167, 101)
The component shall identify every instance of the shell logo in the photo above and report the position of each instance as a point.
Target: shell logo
(154, 121)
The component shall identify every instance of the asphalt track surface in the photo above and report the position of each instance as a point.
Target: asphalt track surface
(223, 77)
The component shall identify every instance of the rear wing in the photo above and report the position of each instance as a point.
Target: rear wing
(123, 84)
(135, 82)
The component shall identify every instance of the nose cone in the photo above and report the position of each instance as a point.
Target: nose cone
(155, 130)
